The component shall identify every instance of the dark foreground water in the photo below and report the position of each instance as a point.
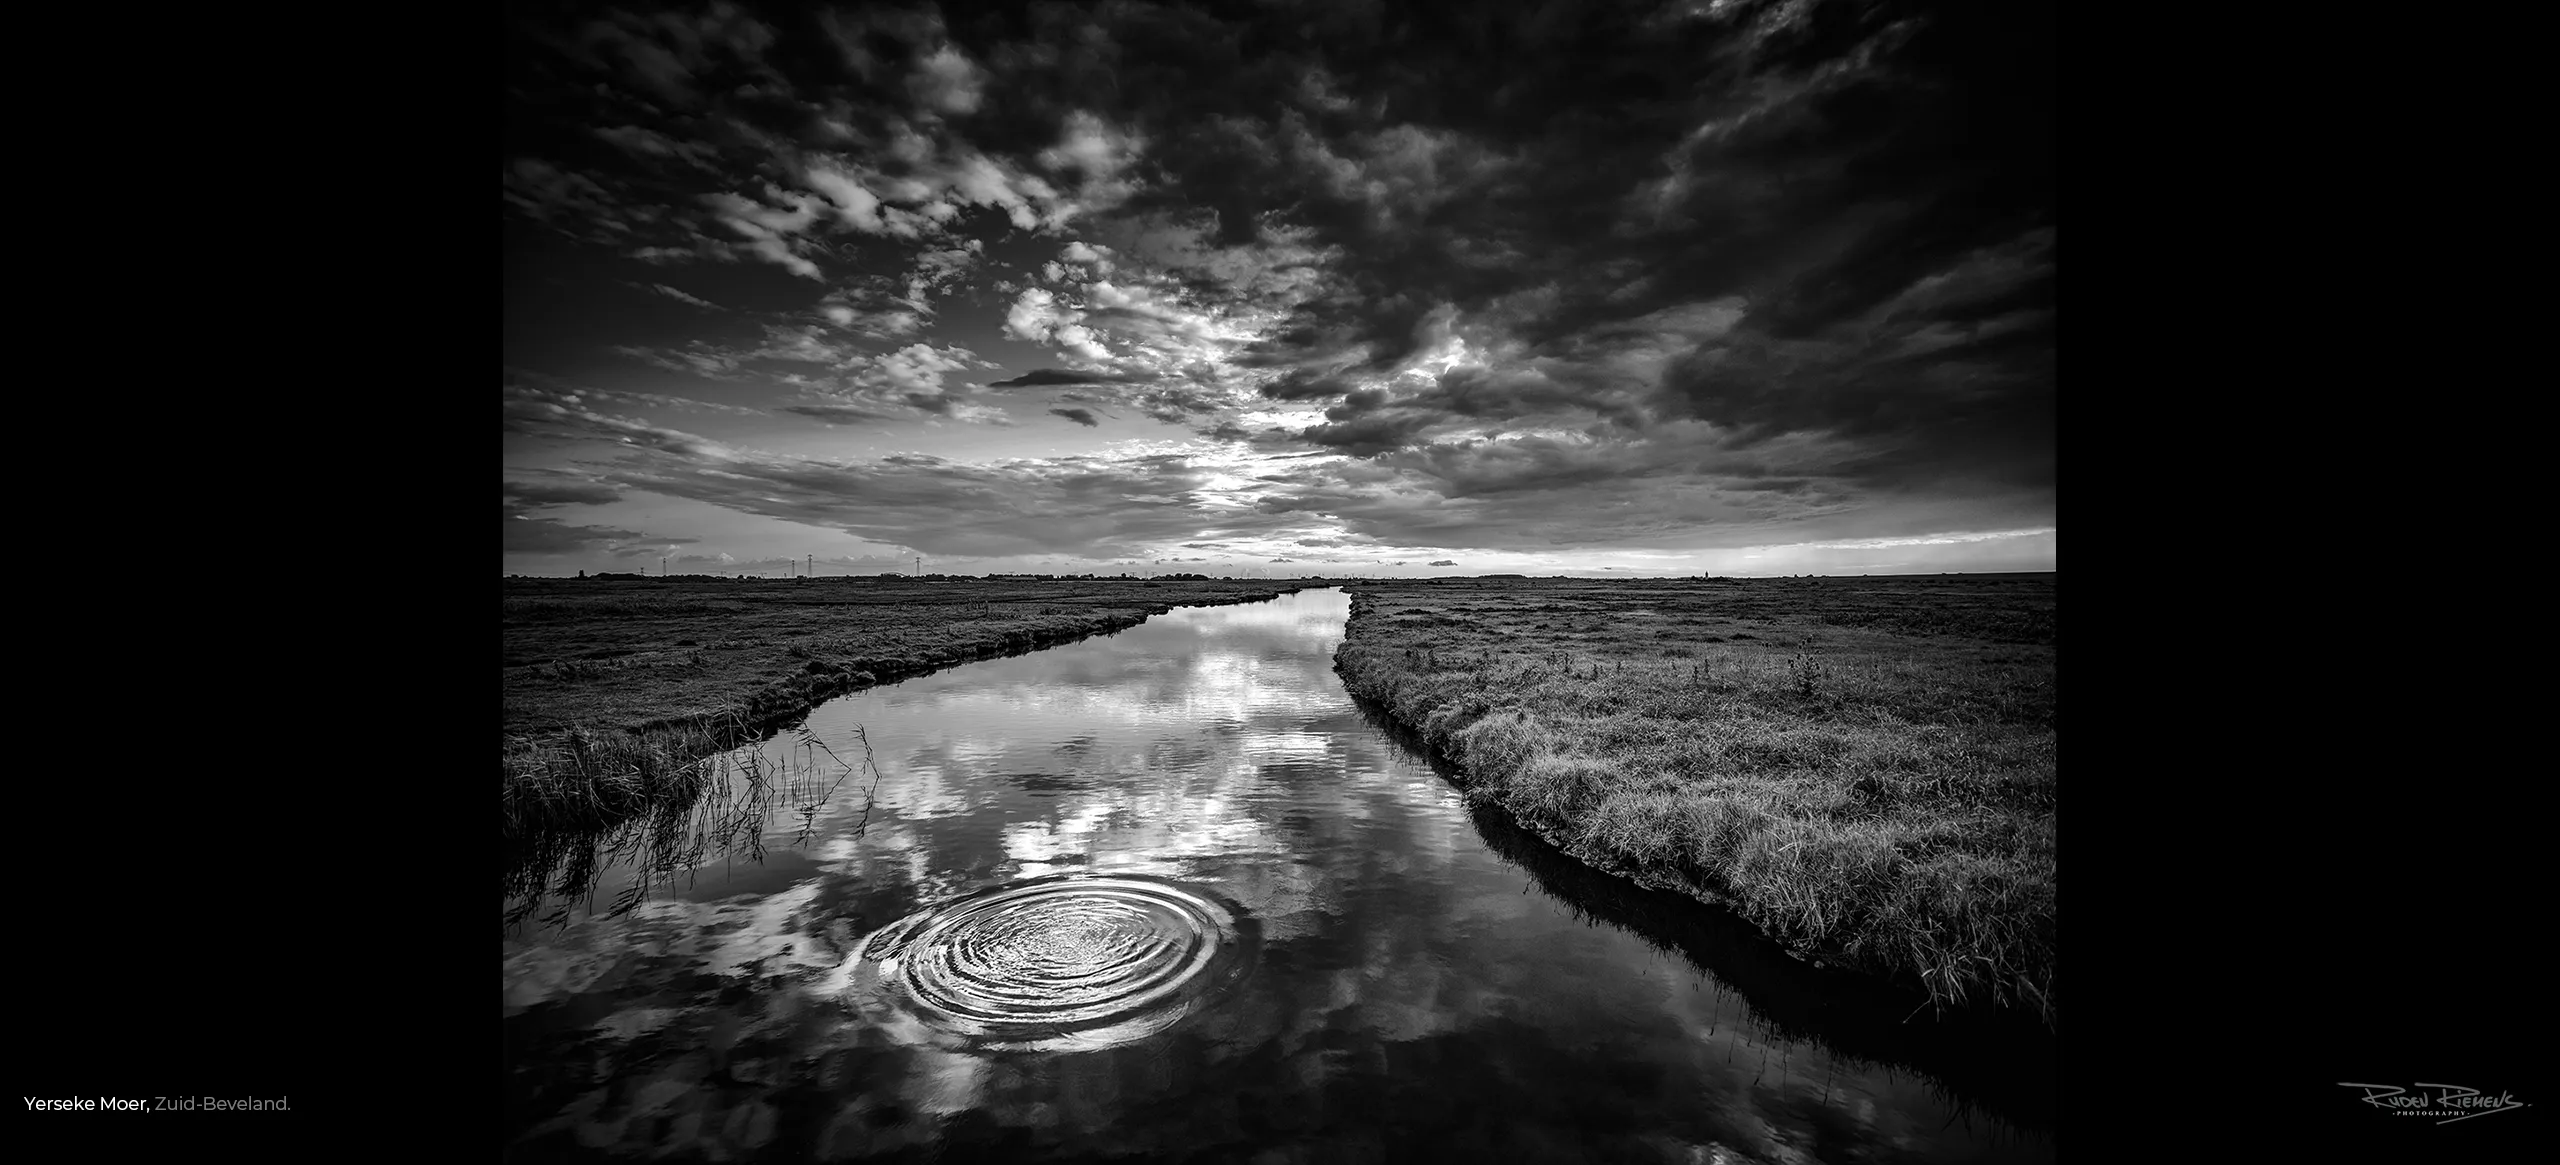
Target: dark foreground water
(1170, 895)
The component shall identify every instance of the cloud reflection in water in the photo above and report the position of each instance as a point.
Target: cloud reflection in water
(1409, 981)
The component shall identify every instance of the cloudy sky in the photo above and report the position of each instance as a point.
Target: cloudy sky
(1279, 287)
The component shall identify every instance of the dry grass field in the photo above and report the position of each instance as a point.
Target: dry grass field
(1864, 767)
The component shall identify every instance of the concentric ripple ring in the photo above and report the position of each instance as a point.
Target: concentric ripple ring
(1068, 962)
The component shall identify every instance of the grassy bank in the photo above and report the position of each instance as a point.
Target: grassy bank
(726, 805)
(613, 689)
(1864, 767)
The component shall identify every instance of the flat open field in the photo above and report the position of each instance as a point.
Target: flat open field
(1864, 767)
(613, 686)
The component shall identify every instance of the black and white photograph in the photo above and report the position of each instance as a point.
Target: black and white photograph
(1286, 581)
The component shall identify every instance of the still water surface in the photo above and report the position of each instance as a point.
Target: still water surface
(1165, 895)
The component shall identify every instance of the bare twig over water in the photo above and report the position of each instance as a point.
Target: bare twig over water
(870, 763)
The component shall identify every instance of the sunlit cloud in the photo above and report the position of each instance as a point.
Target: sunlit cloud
(1457, 309)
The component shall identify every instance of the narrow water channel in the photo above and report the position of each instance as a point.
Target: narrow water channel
(1169, 894)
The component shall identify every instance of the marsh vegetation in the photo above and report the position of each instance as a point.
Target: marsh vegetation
(614, 690)
(1864, 768)
(725, 806)
(1284, 932)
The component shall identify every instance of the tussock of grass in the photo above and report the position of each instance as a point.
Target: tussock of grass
(584, 778)
(1865, 795)
(723, 803)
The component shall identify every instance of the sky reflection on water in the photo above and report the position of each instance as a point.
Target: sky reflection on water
(1414, 995)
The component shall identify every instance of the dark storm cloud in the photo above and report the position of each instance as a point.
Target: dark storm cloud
(1678, 489)
(1082, 417)
(676, 295)
(1303, 384)
(1173, 406)
(1551, 272)
(525, 535)
(531, 496)
(1039, 377)
(1445, 562)
(645, 143)
(839, 414)
(1949, 377)
(1363, 434)
(672, 55)
(1608, 167)
(1831, 218)
(546, 192)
